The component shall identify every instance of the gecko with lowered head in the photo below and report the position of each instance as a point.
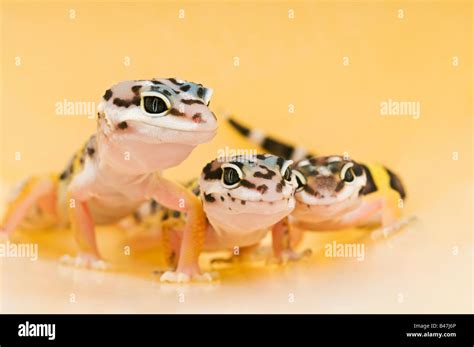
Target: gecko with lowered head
(335, 192)
(242, 196)
(143, 127)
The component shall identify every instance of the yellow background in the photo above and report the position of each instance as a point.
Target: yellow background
(283, 61)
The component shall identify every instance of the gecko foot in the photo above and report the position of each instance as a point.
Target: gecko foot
(289, 255)
(391, 229)
(85, 261)
(181, 277)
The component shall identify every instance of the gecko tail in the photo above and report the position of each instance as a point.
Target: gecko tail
(268, 143)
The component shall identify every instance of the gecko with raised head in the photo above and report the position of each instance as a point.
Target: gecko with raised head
(242, 196)
(143, 127)
(335, 192)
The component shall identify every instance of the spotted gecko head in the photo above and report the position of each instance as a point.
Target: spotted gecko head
(328, 180)
(248, 192)
(164, 110)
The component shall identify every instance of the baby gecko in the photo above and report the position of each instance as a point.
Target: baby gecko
(335, 192)
(143, 127)
(242, 196)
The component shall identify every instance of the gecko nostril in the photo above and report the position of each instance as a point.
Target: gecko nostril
(197, 118)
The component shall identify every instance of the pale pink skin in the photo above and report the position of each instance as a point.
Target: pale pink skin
(125, 169)
(338, 210)
(233, 224)
(346, 213)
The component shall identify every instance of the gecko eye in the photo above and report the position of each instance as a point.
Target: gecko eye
(155, 104)
(286, 170)
(231, 175)
(300, 180)
(347, 173)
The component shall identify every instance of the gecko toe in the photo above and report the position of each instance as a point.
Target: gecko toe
(84, 261)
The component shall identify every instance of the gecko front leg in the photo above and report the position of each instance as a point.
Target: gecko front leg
(176, 197)
(82, 224)
(284, 237)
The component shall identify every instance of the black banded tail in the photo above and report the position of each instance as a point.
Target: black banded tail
(270, 144)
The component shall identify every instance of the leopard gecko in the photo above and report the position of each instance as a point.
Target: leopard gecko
(143, 127)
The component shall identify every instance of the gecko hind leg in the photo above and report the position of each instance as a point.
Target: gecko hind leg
(36, 190)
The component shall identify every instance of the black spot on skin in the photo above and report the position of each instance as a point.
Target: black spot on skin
(185, 88)
(339, 186)
(156, 82)
(309, 190)
(166, 92)
(137, 217)
(90, 151)
(222, 199)
(136, 89)
(192, 101)
(175, 112)
(243, 202)
(228, 194)
(209, 197)
(108, 94)
(233, 199)
(176, 214)
(126, 103)
(200, 92)
(209, 174)
(280, 162)
(237, 163)
(166, 215)
(261, 156)
(153, 206)
(267, 175)
(247, 184)
(174, 81)
(64, 175)
(370, 186)
(396, 183)
(334, 168)
(122, 125)
(262, 188)
(279, 187)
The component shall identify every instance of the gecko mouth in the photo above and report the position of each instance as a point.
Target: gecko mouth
(179, 129)
(235, 205)
(157, 133)
(324, 199)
